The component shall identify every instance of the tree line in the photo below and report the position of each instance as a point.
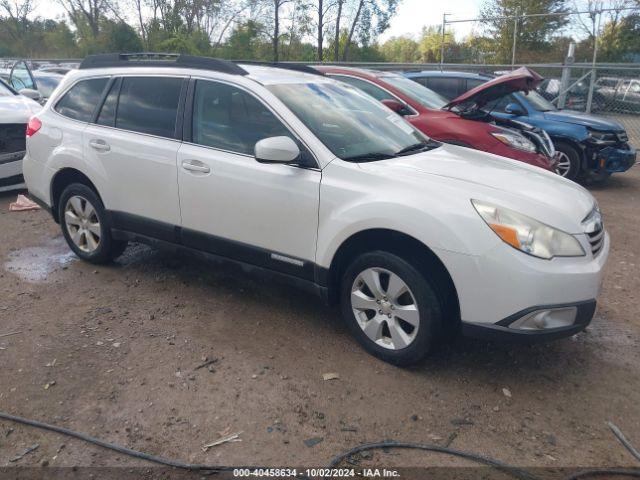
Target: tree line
(308, 30)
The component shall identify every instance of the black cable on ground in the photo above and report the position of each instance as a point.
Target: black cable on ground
(618, 472)
(623, 440)
(513, 471)
(115, 447)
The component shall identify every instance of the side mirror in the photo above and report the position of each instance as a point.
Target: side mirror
(398, 107)
(513, 109)
(276, 150)
(31, 93)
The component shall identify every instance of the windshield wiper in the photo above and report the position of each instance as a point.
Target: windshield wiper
(369, 157)
(416, 147)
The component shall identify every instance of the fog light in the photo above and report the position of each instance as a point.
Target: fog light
(546, 318)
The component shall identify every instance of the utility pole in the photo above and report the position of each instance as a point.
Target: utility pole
(444, 25)
(515, 37)
(596, 29)
(566, 75)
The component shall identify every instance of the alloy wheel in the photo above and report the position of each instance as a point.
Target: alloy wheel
(83, 224)
(385, 308)
(563, 164)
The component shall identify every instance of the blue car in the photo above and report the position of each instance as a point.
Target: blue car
(587, 146)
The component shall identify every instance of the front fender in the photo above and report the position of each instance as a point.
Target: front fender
(345, 212)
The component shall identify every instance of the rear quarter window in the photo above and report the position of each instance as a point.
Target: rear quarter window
(80, 100)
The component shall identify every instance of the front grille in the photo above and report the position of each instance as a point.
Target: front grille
(12, 137)
(594, 230)
(596, 240)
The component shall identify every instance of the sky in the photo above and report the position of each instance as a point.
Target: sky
(412, 15)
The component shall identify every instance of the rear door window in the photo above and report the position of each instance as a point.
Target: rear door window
(81, 99)
(149, 105)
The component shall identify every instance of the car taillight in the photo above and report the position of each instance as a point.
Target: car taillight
(33, 126)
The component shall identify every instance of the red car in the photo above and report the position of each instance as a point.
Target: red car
(463, 120)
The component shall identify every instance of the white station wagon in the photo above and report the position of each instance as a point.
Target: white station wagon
(308, 178)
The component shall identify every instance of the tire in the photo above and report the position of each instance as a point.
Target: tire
(85, 225)
(400, 341)
(568, 161)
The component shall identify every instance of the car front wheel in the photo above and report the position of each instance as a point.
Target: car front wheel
(568, 161)
(391, 309)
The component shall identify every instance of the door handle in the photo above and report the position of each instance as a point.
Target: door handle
(195, 166)
(99, 145)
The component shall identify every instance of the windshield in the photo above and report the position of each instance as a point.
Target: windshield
(422, 95)
(350, 123)
(538, 102)
(47, 84)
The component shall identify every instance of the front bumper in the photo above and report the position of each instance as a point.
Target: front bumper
(11, 171)
(507, 329)
(614, 160)
(498, 289)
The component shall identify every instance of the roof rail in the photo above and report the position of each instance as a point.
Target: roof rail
(297, 67)
(146, 59)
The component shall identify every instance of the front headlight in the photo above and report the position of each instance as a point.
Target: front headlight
(515, 140)
(528, 235)
(602, 137)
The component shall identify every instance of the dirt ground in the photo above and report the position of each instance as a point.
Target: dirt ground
(114, 351)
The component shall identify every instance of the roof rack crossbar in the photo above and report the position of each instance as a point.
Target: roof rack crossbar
(149, 59)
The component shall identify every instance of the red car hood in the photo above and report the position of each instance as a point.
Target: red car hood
(519, 80)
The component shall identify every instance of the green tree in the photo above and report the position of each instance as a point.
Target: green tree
(400, 49)
(430, 44)
(118, 37)
(58, 40)
(247, 41)
(620, 41)
(533, 33)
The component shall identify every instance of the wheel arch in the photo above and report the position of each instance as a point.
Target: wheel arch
(407, 248)
(61, 180)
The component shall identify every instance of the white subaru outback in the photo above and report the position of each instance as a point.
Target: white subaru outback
(308, 178)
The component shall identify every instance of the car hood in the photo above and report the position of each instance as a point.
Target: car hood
(520, 80)
(17, 109)
(542, 195)
(584, 119)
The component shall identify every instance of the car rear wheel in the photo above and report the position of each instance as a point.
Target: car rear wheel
(85, 225)
(568, 161)
(391, 309)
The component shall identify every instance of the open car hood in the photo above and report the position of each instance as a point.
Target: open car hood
(520, 80)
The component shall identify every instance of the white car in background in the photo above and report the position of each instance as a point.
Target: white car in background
(15, 111)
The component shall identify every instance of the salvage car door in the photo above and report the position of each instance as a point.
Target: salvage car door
(232, 205)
